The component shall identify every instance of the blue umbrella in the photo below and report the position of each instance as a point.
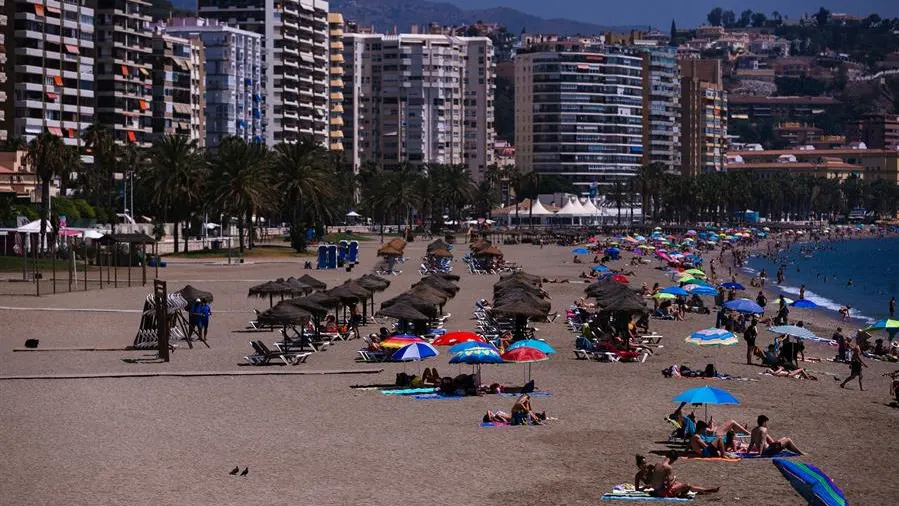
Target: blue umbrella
(580, 251)
(702, 290)
(477, 356)
(415, 351)
(706, 395)
(731, 285)
(804, 304)
(533, 343)
(674, 290)
(467, 345)
(793, 330)
(600, 268)
(744, 306)
(612, 251)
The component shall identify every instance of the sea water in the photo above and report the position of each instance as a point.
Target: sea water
(861, 273)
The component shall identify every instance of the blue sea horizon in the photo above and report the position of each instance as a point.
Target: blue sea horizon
(871, 264)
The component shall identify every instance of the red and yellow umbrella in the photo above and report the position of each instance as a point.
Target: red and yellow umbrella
(400, 341)
(453, 338)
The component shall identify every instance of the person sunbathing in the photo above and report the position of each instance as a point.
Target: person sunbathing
(430, 376)
(664, 483)
(644, 474)
(497, 417)
(496, 388)
(706, 445)
(523, 413)
(766, 445)
(786, 373)
(728, 426)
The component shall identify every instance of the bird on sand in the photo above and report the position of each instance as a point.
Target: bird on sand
(245, 472)
(235, 470)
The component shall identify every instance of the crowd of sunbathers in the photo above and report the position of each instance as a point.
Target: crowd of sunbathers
(611, 333)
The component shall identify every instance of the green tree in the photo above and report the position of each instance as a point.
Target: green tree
(241, 183)
(305, 174)
(714, 16)
(99, 143)
(45, 156)
(745, 18)
(175, 179)
(758, 19)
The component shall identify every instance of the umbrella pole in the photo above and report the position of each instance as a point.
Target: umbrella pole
(270, 301)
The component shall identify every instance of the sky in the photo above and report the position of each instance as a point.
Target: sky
(686, 13)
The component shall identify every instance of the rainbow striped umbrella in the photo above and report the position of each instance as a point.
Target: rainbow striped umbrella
(712, 337)
(812, 484)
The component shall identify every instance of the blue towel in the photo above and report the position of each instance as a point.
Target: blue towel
(532, 394)
(435, 397)
(498, 424)
(410, 391)
(641, 496)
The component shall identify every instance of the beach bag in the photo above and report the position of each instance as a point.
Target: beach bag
(710, 371)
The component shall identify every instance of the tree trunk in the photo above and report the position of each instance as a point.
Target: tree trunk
(186, 235)
(45, 212)
(240, 229)
(176, 225)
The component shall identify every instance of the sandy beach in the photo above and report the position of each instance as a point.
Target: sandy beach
(312, 440)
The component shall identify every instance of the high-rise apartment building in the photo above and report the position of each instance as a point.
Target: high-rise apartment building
(335, 34)
(877, 131)
(704, 117)
(178, 87)
(295, 61)
(50, 79)
(419, 99)
(3, 20)
(661, 108)
(579, 111)
(123, 69)
(233, 80)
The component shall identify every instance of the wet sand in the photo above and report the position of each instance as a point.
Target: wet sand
(313, 440)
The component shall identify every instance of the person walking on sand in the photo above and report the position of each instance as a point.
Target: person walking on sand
(749, 336)
(855, 366)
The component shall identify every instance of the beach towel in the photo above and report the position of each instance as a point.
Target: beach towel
(692, 456)
(499, 424)
(435, 397)
(753, 455)
(532, 394)
(641, 496)
(410, 391)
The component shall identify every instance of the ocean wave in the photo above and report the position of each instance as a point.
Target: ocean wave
(823, 302)
(749, 270)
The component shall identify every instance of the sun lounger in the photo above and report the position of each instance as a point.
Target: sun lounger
(371, 356)
(263, 355)
(583, 354)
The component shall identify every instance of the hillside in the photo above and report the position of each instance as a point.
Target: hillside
(386, 14)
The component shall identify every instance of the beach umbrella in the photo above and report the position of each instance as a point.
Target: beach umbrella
(664, 296)
(283, 313)
(580, 251)
(812, 484)
(298, 287)
(452, 338)
(525, 355)
(695, 272)
(733, 286)
(191, 294)
(674, 290)
(794, 331)
(415, 351)
(712, 337)
(600, 268)
(269, 289)
(785, 299)
(532, 343)
(314, 283)
(467, 345)
(403, 311)
(520, 308)
(743, 306)
(621, 278)
(701, 290)
(477, 356)
(804, 304)
(888, 324)
(706, 395)
(448, 276)
(692, 281)
(400, 341)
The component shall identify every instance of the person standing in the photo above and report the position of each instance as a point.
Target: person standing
(855, 366)
(203, 314)
(802, 292)
(749, 336)
(892, 306)
(841, 344)
(761, 300)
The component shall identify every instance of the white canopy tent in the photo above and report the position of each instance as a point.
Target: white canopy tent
(34, 227)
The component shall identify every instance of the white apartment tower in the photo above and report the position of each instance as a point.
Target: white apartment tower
(419, 99)
(295, 61)
(50, 69)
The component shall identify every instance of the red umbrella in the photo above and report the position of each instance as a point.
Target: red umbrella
(525, 354)
(620, 278)
(460, 336)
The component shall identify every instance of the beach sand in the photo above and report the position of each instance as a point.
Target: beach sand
(313, 440)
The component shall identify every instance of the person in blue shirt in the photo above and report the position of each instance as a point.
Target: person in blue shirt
(202, 311)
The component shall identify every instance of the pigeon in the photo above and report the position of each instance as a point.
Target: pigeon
(245, 472)
(235, 470)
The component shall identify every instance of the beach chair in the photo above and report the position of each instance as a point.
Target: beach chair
(263, 355)
(371, 356)
(583, 354)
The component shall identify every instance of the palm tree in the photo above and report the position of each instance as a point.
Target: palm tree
(99, 143)
(12, 144)
(617, 195)
(531, 181)
(175, 179)
(516, 184)
(240, 182)
(453, 186)
(45, 154)
(305, 179)
(71, 162)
